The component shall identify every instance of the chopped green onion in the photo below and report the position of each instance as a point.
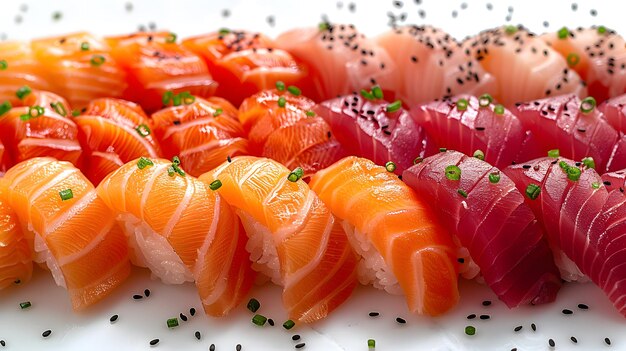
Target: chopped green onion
(167, 97)
(323, 26)
(601, 29)
(172, 322)
(187, 98)
(366, 94)
(554, 153)
(461, 105)
(75, 113)
(563, 33)
(453, 172)
(259, 320)
(589, 162)
(280, 86)
(295, 175)
(573, 59)
(564, 166)
(216, 184)
(573, 173)
(66, 194)
(310, 113)
(494, 177)
(97, 60)
(33, 112)
(479, 154)
(394, 106)
(59, 108)
(144, 162)
(3, 65)
(223, 31)
(84, 46)
(23, 91)
(294, 90)
(218, 111)
(253, 304)
(485, 100)
(171, 38)
(176, 161)
(289, 324)
(470, 330)
(5, 107)
(377, 92)
(510, 30)
(371, 343)
(498, 110)
(282, 101)
(417, 160)
(462, 192)
(588, 104)
(595, 185)
(143, 130)
(390, 166)
(25, 305)
(533, 191)
(442, 149)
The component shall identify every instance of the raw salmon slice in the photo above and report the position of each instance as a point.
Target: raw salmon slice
(18, 67)
(376, 129)
(402, 246)
(524, 66)
(203, 134)
(113, 132)
(597, 54)
(79, 67)
(181, 230)
(497, 230)
(244, 63)
(69, 228)
(16, 262)
(430, 65)
(155, 63)
(293, 237)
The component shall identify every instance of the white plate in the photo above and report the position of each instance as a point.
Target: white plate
(350, 327)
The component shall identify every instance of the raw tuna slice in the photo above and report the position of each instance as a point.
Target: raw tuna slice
(469, 124)
(376, 129)
(497, 230)
(430, 65)
(585, 224)
(614, 111)
(615, 180)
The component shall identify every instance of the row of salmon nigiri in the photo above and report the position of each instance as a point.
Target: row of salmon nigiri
(416, 64)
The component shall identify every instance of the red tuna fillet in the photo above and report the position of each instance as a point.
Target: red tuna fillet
(475, 124)
(375, 129)
(489, 218)
(614, 111)
(615, 180)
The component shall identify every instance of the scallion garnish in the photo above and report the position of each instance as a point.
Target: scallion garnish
(563, 33)
(417, 160)
(25, 305)
(167, 97)
(171, 38)
(143, 130)
(59, 108)
(66, 194)
(144, 162)
(187, 98)
(377, 92)
(588, 104)
(589, 162)
(595, 185)
(470, 330)
(601, 29)
(97, 60)
(371, 343)
(294, 90)
(253, 305)
(573, 173)
(33, 112)
(323, 26)
(461, 105)
(533, 191)
(216, 184)
(494, 177)
(554, 153)
(3, 65)
(479, 154)
(223, 31)
(453, 172)
(259, 320)
(462, 192)
(175, 168)
(280, 86)
(442, 149)
(84, 46)
(573, 59)
(367, 94)
(485, 100)
(510, 30)
(218, 111)
(498, 110)
(296, 174)
(282, 101)
(390, 166)
(23, 91)
(172, 322)
(394, 106)
(75, 113)
(310, 113)
(176, 161)
(289, 324)
(5, 107)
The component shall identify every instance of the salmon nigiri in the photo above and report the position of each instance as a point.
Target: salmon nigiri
(488, 216)
(80, 67)
(40, 126)
(244, 63)
(203, 133)
(181, 229)
(16, 263)
(402, 246)
(18, 67)
(69, 227)
(113, 132)
(282, 126)
(524, 66)
(156, 64)
(293, 237)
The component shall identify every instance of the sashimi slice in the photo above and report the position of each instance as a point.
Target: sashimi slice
(489, 218)
(614, 111)
(473, 125)
(244, 63)
(79, 67)
(597, 54)
(203, 134)
(18, 67)
(293, 237)
(181, 230)
(29, 97)
(339, 59)
(524, 66)
(113, 132)
(365, 128)
(69, 228)
(402, 246)
(614, 180)
(155, 63)
(568, 124)
(16, 262)
(430, 65)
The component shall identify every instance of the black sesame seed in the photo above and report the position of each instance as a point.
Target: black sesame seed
(212, 347)
(460, 260)
(270, 322)
(551, 343)
(574, 6)
(176, 123)
(137, 297)
(607, 183)
(46, 333)
(146, 292)
(197, 335)
(567, 311)
(593, 12)
(183, 317)
(192, 311)
(486, 303)
(607, 341)
(484, 316)
(400, 320)
(154, 342)
(471, 316)
(113, 318)
(238, 347)
(374, 314)
(533, 327)
(574, 340)
(518, 328)
(582, 306)
(300, 345)
(295, 337)
(526, 166)
(3, 343)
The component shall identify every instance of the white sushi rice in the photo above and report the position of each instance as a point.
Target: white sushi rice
(43, 255)
(261, 247)
(568, 269)
(151, 250)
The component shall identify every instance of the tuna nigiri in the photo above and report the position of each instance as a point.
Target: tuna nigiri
(69, 227)
(473, 125)
(402, 246)
(293, 237)
(113, 132)
(489, 218)
(181, 230)
(376, 129)
(16, 262)
(203, 133)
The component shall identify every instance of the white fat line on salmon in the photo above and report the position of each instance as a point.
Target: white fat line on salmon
(205, 146)
(111, 157)
(76, 207)
(182, 206)
(201, 121)
(58, 144)
(36, 193)
(123, 185)
(94, 242)
(130, 131)
(145, 192)
(219, 169)
(296, 222)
